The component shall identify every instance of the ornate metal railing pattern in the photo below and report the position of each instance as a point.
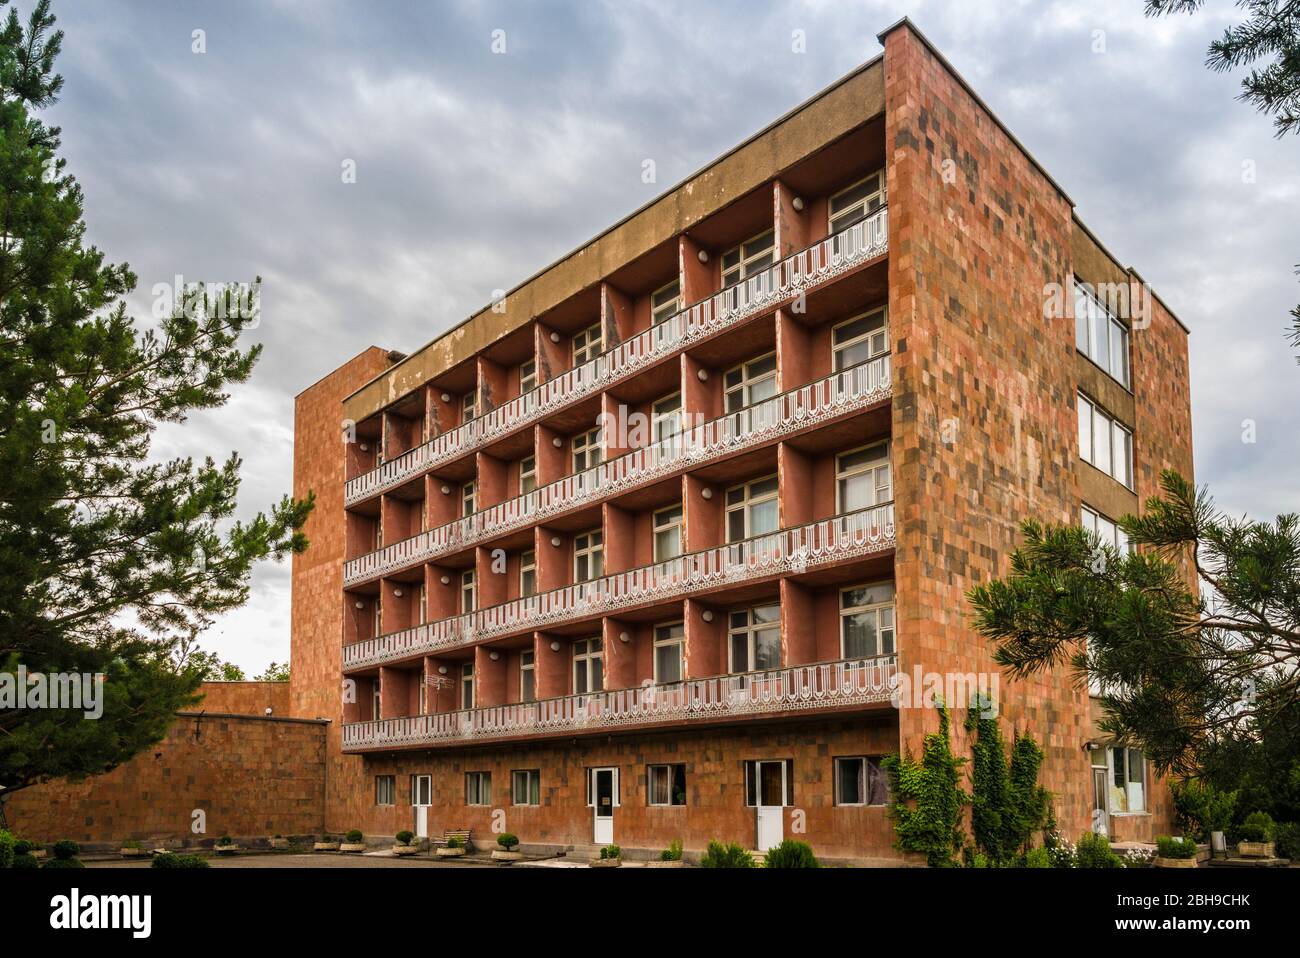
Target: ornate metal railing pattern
(797, 273)
(788, 551)
(804, 688)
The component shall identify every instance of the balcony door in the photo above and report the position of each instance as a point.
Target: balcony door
(770, 779)
(421, 799)
(604, 799)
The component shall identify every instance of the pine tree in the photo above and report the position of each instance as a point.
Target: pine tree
(108, 562)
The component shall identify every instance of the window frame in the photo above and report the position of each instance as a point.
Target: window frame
(1121, 542)
(527, 376)
(744, 266)
(468, 498)
(593, 650)
(867, 337)
(380, 782)
(527, 474)
(527, 565)
(587, 344)
(589, 545)
(674, 414)
(875, 608)
(1085, 334)
(1097, 411)
(670, 770)
(745, 386)
(527, 669)
(866, 209)
(868, 763)
(657, 643)
(657, 527)
(469, 406)
(1112, 782)
(589, 446)
(468, 589)
(657, 314)
(746, 504)
(482, 783)
(532, 787)
(466, 686)
(750, 630)
(869, 467)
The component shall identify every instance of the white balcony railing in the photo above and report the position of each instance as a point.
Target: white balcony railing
(804, 688)
(771, 419)
(789, 551)
(785, 280)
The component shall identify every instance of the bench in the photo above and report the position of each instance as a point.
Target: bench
(461, 833)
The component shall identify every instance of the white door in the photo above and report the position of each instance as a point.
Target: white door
(1100, 815)
(604, 799)
(421, 799)
(771, 803)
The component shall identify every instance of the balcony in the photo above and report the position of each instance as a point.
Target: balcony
(798, 690)
(790, 551)
(776, 418)
(796, 274)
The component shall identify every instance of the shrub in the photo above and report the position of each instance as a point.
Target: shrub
(610, 851)
(23, 847)
(1258, 827)
(455, 841)
(355, 837)
(1288, 840)
(792, 854)
(1094, 851)
(172, 860)
(1175, 847)
(673, 853)
(66, 849)
(405, 837)
(1038, 858)
(132, 843)
(225, 840)
(7, 843)
(26, 861)
(1200, 808)
(507, 841)
(731, 855)
(927, 798)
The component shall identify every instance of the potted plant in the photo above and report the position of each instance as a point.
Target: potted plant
(353, 841)
(65, 855)
(507, 853)
(611, 856)
(1175, 852)
(406, 844)
(670, 857)
(132, 849)
(226, 845)
(326, 843)
(279, 841)
(1255, 836)
(454, 848)
(30, 849)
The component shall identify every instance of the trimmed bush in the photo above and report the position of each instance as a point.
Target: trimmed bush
(23, 847)
(718, 855)
(66, 849)
(1094, 851)
(1258, 827)
(1038, 858)
(1288, 840)
(507, 841)
(26, 861)
(354, 837)
(225, 840)
(455, 841)
(7, 843)
(673, 853)
(1200, 808)
(792, 854)
(405, 836)
(63, 863)
(1168, 847)
(172, 860)
(611, 851)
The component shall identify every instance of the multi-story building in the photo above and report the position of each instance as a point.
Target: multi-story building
(638, 551)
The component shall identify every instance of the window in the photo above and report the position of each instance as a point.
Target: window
(665, 784)
(862, 478)
(588, 556)
(527, 475)
(860, 339)
(857, 202)
(773, 777)
(750, 257)
(867, 620)
(528, 377)
(469, 406)
(421, 790)
(377, 622)
(665, 302)
(1099, 335)
(527, 682)
(587, 660)
(467, 592)
(587, 345)
(666, 418)
(860, 781)
(668, 643)
(1128, 780)
(1104, 442)
(375, 700)
(586, 450)
(749, 383)
(478, 788)
(526, 787)
(467, 685)
(467, 497)
(1109, 532)
(527, 573)
(754, 639)
(668, 533)
(422, 709)
(385, 790)
(752, 509)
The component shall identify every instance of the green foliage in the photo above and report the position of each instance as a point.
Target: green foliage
(1007, 804)
(172, 860)
(455, 841)
(1039, 858)
(213, 669)
(1287, 840)
(507, 840)
(66, 848)
(26, 861)
(354, 837)
(23, 847)
(792, 854)
(1094, 851)
(1167, 847)
(1200, 808)
(64, 863)
(225, 840)
(7, 845)
(927, 799)
(673, 853)
(405, 837)
(274, 673)
(610, 851)
(1257, 827)
(132, 843)
(731, 855)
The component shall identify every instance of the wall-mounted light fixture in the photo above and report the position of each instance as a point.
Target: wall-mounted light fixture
(703, 375)
(442, 670)
(555, 541)
(494, 656)
(360, 604)
(624, 637)
(446, 580)
(797, 203)
(397, 593)
(364, 447)
(446, 397)
(707, 615)
(446, 490)
(706, 493)
(557, 442)
(555, 646)
(703, 256)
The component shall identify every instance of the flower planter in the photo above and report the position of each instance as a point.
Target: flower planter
(450, 852)
(1256, 849)
(279, 843)
(1174, 862)
(353, 847)
(225, 849)
(325, 847)
(133, 852)
(37, 853)
(606, 863)
(675, 864)
(401, 851)
(501, 855)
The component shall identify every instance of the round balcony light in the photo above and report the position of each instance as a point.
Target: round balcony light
(364, 447)
(555, 337)
(446, 580)
(703, 375)
(706, 493)
(797, 203)
(557, 442)
(442, 670)
(397, 593)
(360, 604)
(624, 637)
(703, 256)
(494, 656)
(555, 646)
(708, 615)
(446, 397)
(555, 541)
(446, 490)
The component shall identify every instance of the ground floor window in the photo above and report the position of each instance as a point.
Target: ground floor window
(526, 787)
(1128, 780)
(478, 788)
(769, 782)
(384, 790)
(860, 781)
(666, 785)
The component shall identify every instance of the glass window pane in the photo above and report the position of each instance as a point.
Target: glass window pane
(763, 518)
(859, 635)
(740, 652)
(767, 649)
(848, 780)
(1101, 443)
(1085, 430)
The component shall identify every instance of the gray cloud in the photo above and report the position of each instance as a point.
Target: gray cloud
(476, 169)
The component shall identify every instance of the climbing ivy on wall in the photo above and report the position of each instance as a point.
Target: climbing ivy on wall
(927, 798)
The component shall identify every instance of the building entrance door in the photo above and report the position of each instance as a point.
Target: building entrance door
(771, 803)
(1100, 815)
(604, 799)
(421, 799)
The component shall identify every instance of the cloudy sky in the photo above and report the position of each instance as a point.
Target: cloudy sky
(474, 169)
